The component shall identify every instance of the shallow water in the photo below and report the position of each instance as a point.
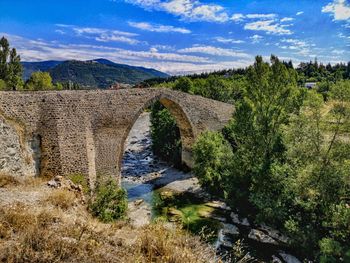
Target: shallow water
(139, 191)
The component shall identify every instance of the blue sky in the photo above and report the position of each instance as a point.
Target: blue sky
(178, 36)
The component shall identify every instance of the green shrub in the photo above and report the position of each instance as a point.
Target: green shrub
(80, 179)
(110, 201)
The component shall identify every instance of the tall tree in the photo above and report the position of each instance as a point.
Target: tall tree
(10, 66)
(255, 132)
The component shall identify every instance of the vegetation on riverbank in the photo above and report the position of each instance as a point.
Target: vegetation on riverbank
(190, 211)
(284, 158)
(35, 230)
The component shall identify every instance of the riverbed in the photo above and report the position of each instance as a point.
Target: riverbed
(156, 189)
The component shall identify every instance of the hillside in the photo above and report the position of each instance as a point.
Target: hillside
(99, 73)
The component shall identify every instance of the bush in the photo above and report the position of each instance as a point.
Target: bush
(110, 201)
(212, 156)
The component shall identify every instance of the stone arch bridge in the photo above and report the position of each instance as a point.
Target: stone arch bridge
(69, 132)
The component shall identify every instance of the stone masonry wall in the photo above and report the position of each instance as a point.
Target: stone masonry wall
(66, 132)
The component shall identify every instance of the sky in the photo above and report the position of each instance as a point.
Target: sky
(178, 36)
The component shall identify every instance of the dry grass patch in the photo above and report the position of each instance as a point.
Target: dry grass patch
(46, 236)
(7, 180)
(62, 198)
(159, 244)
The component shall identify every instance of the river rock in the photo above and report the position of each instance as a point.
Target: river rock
(260, 236)
(230, 229)
(138, 202)
(218, 205)
(275, 259)
(275, 234)
(218, 218)
(223, 240)
(289, 258)
(236, 220)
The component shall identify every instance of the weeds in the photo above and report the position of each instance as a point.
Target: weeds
(110, 201)
(80, 179)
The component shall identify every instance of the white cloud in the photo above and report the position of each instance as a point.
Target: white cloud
(237, 17)
(173, 63)
(164, 47)
(299, 13)
(287, 19)
(298, 46)
(214, 51)
(158, 28)
(261, 16)
(191, 10)
(229, 40)
(240, 17)
(338, 51)
(256, 39)
(34, 50)
(101, 34)
(339, 9)
(269, 26)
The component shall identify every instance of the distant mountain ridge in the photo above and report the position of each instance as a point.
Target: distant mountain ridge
(100, 73)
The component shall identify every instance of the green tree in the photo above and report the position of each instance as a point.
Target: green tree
(3, 85)
(10, 66)
(39, 81)
(318, 179)
(212, 157)
(183, 84)
(255, 133)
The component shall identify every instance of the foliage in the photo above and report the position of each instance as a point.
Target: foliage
(289, 162)
(255, 133)
(39, 81)
(212, 156)
(110, 201)
(10, 67)
(80, 179)
(166, 141)
(189, 210)
(183, 84)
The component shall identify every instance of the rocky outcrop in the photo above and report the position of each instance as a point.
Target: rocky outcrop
(18, 156)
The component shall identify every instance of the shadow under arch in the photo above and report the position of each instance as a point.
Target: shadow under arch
(183, 122)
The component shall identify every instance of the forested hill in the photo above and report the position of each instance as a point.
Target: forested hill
(94, 73)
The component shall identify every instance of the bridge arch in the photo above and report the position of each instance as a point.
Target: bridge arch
(186, 128)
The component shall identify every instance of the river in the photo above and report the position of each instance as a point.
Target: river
(148, 180)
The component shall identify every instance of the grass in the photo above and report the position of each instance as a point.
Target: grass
(6, 180)
(190, 211)
(62, 198)
(39, 232)
(80, 179)
(47, 235)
